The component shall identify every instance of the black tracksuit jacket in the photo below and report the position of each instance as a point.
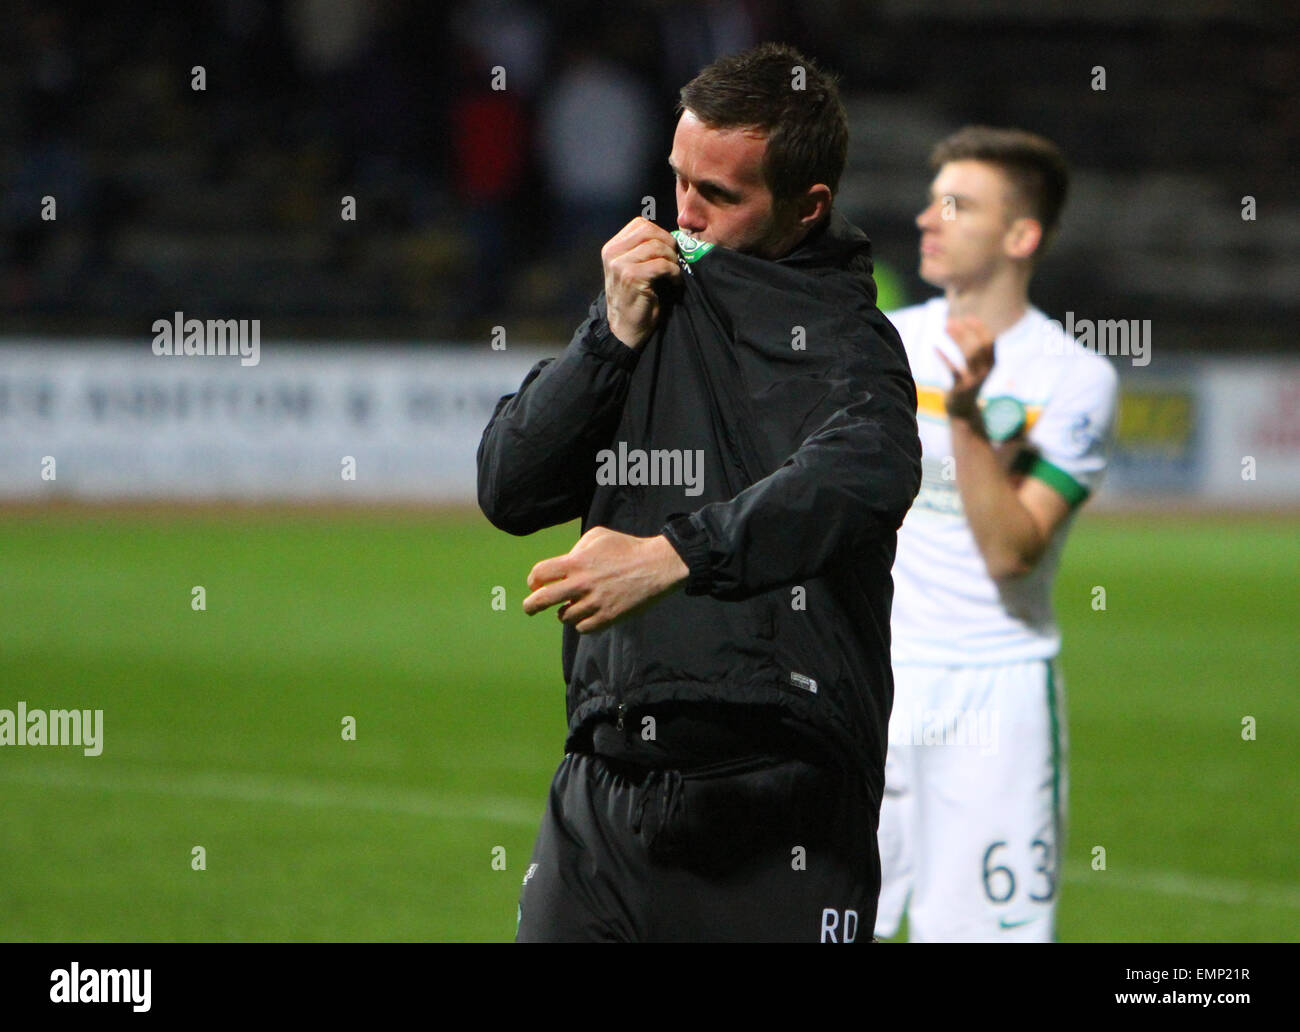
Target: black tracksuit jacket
(796, 390)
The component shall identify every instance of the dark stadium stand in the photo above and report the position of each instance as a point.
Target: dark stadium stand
(230, 197)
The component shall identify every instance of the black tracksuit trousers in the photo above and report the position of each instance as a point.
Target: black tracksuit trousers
(757, 850)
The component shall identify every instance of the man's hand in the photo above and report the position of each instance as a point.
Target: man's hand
(1012, 522)
(634, 259)
(606, 576)
(976, 343)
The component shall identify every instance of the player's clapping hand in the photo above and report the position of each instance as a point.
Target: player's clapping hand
(638, 256)
(976, 344)
(605, 576)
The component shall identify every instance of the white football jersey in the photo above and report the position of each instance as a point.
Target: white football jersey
(1051, 405)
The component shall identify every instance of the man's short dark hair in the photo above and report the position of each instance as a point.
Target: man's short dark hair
(775, 89)
(1033, 164)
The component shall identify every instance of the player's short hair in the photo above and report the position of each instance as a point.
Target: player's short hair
(1033, 164)
(776, 89)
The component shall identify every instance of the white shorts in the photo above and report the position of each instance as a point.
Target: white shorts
(972, 822)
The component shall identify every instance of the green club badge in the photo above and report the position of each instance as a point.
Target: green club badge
(692, 250)
(1004, 418)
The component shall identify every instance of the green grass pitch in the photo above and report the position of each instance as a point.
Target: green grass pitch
(222, 727)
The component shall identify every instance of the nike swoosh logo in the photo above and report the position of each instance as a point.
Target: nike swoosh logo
(1004, 923)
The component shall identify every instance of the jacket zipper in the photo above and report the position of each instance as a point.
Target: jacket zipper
(622, 710)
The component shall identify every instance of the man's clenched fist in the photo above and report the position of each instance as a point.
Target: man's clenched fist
(638, 255)
(605, 576)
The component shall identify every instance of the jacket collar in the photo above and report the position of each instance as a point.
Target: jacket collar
(834, 242)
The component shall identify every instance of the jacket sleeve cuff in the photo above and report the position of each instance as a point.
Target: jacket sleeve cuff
(692, 544)
(600, 341)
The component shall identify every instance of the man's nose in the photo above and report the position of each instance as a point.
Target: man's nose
(689, 217)
(929, 217)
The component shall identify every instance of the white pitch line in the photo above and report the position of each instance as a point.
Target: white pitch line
(313, 794)
(1175, 883)
(326, 795)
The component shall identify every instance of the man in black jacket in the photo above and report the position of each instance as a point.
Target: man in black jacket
(735, 425)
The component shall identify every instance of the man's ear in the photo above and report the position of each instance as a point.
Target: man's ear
(1023, 238)
(813, 206)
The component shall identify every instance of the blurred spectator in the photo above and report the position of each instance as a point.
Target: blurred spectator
(598, 130)
(489, 141)
(508, 35)
(594, 143)
(701, 31)
(329, 35)
(52, 164)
